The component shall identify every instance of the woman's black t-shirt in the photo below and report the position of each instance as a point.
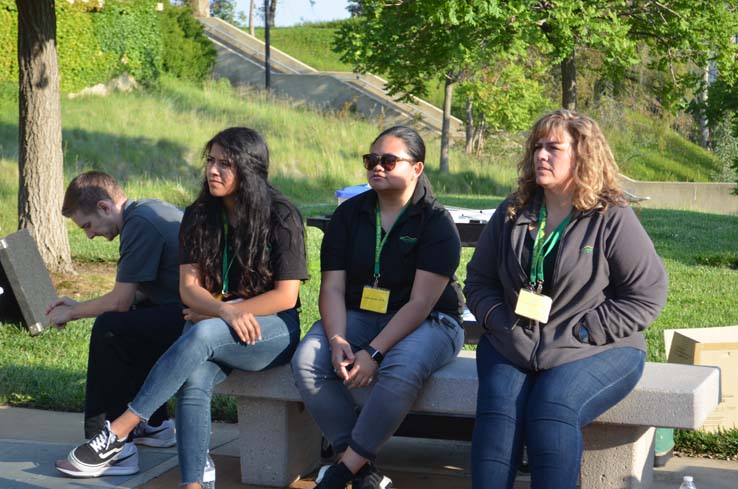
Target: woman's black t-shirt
(287, 248)
(424, 238)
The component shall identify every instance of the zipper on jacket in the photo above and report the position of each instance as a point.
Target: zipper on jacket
(557, 265)
(534, 352)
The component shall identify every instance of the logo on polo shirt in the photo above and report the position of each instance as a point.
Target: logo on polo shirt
(587, 250)
(408, 239)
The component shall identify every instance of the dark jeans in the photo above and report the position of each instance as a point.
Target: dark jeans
(124, 346)
(546, 410)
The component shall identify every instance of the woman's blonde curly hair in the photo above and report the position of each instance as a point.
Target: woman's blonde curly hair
(595, 172)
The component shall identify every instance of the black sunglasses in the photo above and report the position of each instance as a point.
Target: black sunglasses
(388, 161)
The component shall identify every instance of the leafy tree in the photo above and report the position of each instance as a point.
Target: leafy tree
(223, 9)
(412, 42)
(40, 158)
(680, 34)
(355, 9)
(188, 53)
(504, 96)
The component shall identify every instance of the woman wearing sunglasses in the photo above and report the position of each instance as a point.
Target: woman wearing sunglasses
(390, 309)
(242, 256)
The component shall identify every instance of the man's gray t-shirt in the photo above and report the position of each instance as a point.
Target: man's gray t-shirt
(149, 243)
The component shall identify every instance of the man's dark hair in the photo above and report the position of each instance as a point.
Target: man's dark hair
(89, 188)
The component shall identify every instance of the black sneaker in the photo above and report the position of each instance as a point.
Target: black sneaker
(335, 476)
(124, 463)
(97, 452)
(370, 478)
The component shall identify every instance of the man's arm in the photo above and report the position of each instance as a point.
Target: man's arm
(65, 309)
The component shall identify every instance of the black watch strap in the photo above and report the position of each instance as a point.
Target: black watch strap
(375, 354)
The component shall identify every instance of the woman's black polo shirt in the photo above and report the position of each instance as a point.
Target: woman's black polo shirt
(425, 238)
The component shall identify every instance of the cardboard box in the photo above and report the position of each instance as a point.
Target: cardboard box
(716, 347)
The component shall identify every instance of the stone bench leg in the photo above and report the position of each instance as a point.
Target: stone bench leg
(279, 442)
(617, 457)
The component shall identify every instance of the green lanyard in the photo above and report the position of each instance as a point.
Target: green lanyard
(542, 247)
(226, 264)
(379, 243)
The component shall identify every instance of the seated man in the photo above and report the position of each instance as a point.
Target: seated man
(139, 318)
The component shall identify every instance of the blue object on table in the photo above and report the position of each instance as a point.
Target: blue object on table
(352, 191)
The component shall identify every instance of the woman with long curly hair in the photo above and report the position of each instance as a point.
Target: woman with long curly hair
(242, 256)
(564, 280)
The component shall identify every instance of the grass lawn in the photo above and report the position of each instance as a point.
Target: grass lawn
(152, 141)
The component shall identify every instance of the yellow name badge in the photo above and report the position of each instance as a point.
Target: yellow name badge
(374, 299)
(533, 306)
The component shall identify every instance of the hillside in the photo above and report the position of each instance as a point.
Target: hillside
(646, 148)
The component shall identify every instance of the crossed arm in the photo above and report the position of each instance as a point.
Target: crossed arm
(240, 316)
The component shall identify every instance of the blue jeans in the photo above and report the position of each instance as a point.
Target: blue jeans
(399, 379)
(201, 358)
(546, 410)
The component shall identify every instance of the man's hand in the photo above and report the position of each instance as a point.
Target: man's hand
(341, 356)
(243, 323)
(61, 301)
(59, 312)
(362, 373)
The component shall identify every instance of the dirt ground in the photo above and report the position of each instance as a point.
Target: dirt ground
(92, 279)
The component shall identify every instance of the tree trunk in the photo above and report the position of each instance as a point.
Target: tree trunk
(200, 8)
(40, 158)
(569, 83)
(272, 12)
(469, 146)
(480, 136)
(446, 126)
(252, 9)
(704, 123)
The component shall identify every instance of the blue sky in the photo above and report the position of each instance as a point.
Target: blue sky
(291, 12)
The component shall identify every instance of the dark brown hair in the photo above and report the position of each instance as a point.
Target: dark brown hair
(89, 188)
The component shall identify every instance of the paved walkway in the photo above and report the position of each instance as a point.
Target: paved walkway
(31, 440)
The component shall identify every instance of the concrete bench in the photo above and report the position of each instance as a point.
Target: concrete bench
(279, 441)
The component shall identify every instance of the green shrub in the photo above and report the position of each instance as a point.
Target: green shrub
(98, 41)
(8, 39)
(130, 30)
(82, 61)
(188, 53)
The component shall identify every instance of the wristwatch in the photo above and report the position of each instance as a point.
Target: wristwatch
(374, 354)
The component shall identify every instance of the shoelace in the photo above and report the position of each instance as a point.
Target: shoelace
(102, 441)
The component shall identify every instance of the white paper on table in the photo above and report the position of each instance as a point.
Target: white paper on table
(462, 216)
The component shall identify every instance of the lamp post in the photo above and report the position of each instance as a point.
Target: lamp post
(267, 74)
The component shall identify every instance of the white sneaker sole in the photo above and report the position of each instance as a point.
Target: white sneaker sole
(65, 467)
